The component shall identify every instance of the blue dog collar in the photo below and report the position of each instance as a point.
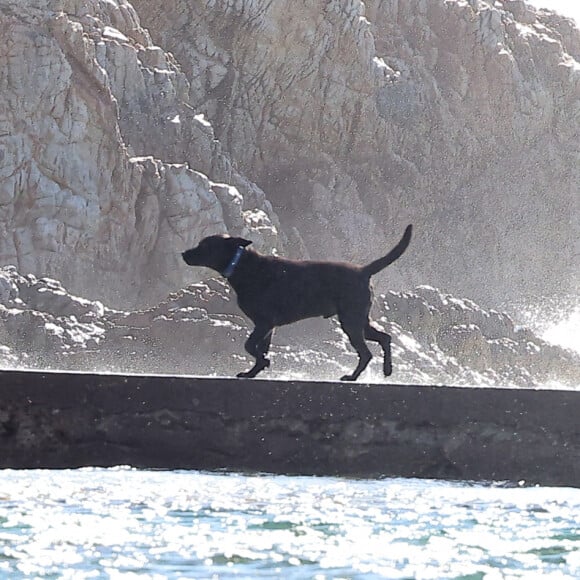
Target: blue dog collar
(230, 268)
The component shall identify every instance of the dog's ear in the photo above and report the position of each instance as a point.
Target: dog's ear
(242, 242)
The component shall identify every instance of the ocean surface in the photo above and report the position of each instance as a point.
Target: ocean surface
(126, 523)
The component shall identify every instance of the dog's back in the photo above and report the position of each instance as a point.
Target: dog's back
(282, 291)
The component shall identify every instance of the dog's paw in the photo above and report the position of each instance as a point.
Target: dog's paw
(348, 378)
(258, 367)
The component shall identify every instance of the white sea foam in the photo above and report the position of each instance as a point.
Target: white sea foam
(565, 332)
(556, 320)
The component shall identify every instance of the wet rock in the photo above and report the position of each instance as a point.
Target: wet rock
(467, 343)
(199, 330)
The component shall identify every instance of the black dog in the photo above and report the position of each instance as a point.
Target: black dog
(275, 291)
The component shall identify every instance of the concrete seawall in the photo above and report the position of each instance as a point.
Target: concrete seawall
(58, 420)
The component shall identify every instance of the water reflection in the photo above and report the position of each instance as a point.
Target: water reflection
(96, 523)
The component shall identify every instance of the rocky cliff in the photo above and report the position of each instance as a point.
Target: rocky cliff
(130, 130)
(463, 117)
(95, 187)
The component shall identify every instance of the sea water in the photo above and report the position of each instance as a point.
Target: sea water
(126, 523)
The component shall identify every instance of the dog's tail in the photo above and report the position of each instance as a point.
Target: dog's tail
(376, 266)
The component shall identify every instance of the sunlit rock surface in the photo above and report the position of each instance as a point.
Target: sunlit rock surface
(198, 330)
(129, 130)
(356, 118)
(95, 187)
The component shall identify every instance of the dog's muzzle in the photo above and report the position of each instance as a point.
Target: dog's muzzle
(188, 258)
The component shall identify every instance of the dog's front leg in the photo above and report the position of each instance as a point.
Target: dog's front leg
(257, 345)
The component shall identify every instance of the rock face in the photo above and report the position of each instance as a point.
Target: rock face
(91, 189)
(461, 116)
(437, 339)
(128, 131)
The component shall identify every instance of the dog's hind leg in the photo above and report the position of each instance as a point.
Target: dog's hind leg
(373, 333)
(355, 333)
(257, 345)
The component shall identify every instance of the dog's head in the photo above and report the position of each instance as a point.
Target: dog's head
(214, 252)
